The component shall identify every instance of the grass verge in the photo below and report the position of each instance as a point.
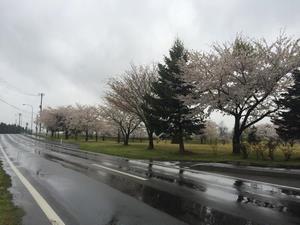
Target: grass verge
(9, 213)
(166, 151)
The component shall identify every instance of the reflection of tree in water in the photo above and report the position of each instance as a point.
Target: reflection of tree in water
(292, 207)
(183, 209)
(245, 197)
(113, 221)
(189, 211)
(290, 192)
(125, 185)
(191, 184)
(238, 185)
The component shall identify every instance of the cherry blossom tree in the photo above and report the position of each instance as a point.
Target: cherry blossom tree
(87, 117)
(103, 128)
(48, 119)
(126, 122)
(69, 119)
(57, 119)
(74, 121)
(62, 116)
(224, 135)
(266, 131)
(128, 92)
(210, 132)
(243, 78)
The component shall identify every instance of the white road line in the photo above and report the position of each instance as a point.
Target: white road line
(117, 171)
(269, 184)
(50, 213)
(249, 180)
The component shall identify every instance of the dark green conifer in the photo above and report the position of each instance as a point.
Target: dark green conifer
(170, 115)
(288, 119)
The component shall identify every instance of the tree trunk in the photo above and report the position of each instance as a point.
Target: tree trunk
(150, 138)
(126, 139)
(180, 142)
(181, 145)
(96, 136)
(86, 135)
(119, 136)
(236, 139)
(236, 143)
(66, 134)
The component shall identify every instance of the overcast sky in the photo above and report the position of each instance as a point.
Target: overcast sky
(69, 49)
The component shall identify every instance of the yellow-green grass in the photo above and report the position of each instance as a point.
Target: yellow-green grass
(9, 213)
(164, 150)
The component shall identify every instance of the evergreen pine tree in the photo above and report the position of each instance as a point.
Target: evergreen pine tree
(169, 114)
(288, 120)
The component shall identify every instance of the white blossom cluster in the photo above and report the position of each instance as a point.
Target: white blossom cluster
(243, 78)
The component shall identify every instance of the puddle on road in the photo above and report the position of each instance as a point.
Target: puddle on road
(182, 208)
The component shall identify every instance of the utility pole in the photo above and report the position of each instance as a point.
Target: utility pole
(41, 108)
(20, 114)
(36, 125)
(19, 128)
(31, 126)
(16, 119)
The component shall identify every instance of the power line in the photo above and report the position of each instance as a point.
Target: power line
(14, 88)
(15, 107)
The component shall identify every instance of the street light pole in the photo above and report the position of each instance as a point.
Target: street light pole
(41, 108)
(31, 116)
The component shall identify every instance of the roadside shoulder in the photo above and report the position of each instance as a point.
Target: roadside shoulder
(9, 212)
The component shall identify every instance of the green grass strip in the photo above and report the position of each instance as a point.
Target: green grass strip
(9, 213)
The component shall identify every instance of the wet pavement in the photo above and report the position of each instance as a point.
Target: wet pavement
(23, 199)
(109, 190)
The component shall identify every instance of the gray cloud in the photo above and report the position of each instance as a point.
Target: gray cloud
(69, 49)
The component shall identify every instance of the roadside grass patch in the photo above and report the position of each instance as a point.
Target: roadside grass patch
(9, 213)
(195, 152)
(165, 151)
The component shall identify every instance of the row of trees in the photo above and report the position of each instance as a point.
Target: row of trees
(247, 79)
(72, 120)
(98, 121)
(10, 129)
(153, 94)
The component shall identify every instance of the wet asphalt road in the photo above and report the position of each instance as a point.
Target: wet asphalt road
(83, 191)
